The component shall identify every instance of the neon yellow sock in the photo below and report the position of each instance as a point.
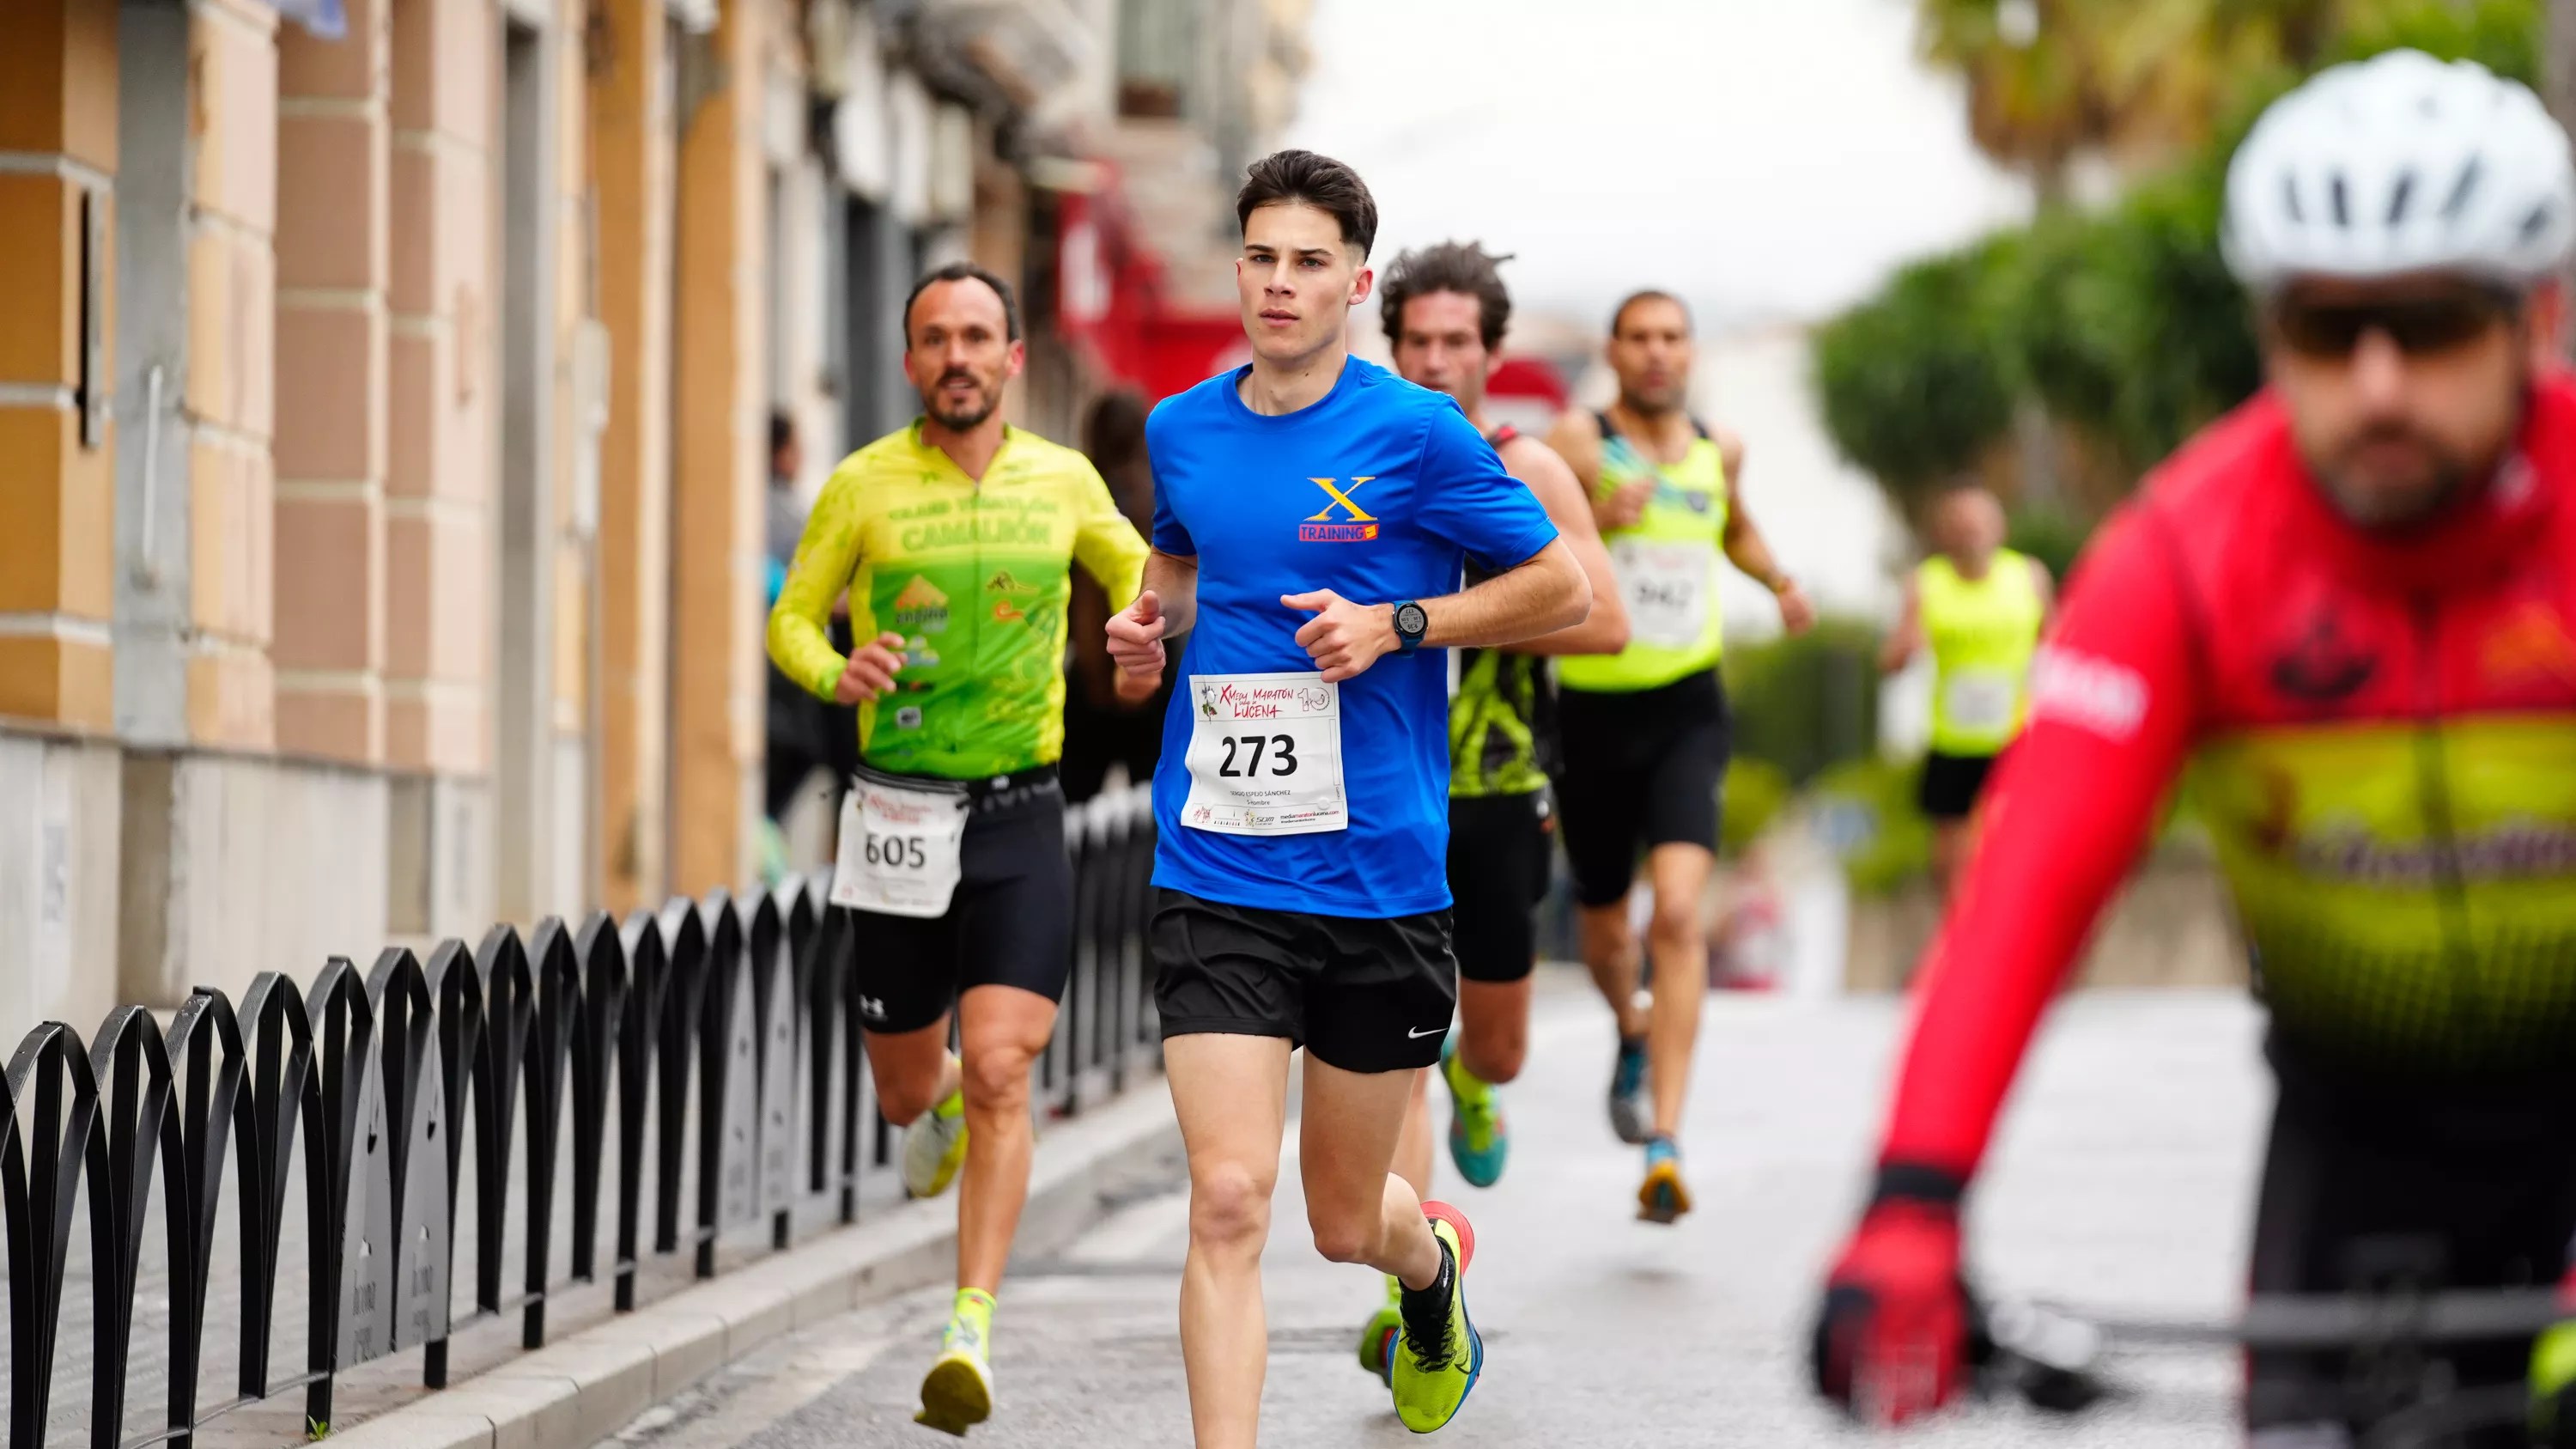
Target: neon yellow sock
(954, 1104)
(974, 1307)
(1462, 1081)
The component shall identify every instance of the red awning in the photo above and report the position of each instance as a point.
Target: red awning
(1110, 303)
(1533, 378)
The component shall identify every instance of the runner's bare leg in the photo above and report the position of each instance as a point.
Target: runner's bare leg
(1003, 1029)
(1679, 938)
(1610, 952)
(1231, 1095)
(1348, 1123)
(912, 1070)
(1413, 1148)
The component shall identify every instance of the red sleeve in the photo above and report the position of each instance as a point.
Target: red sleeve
(2112, 711)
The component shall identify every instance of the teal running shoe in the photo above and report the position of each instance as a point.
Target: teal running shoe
(1630, 1115)
(1479, 1140)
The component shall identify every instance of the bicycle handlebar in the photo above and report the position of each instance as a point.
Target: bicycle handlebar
(2332, 1321)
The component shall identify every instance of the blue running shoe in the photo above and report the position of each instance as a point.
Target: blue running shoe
(1662, 1197)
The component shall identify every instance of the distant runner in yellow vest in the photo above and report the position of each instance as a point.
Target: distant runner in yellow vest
(1645, 730)
(1979, 606)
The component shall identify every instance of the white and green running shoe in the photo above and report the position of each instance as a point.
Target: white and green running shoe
(934, 1146)
(957, 1394)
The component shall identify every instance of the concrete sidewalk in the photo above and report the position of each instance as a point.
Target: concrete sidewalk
(682, 1326)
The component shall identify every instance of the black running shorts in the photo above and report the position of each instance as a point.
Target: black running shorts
(1642, 769)
(1498, 858)
(1010, 923)
(1952, 783)
(2380, 1190)
(1359, 994)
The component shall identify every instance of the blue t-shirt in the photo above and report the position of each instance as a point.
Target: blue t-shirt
(1378, 492)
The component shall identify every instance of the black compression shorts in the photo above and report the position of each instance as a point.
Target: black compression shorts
(1498, 859)
(1359, 994)
(2374, 1192)
(1642, 769)
(1952, 783)
(1010, 923)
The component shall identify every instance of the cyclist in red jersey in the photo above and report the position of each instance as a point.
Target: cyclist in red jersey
(2350, 607)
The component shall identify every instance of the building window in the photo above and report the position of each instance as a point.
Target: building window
(1155, 42)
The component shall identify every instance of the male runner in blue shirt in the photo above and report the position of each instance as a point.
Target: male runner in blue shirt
(1313, 514)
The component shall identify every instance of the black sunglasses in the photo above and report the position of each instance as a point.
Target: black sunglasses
(2420, 326)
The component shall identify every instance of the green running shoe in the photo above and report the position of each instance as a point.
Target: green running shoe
(1438, 1355)
(1377, 1341)
(1479, 1140)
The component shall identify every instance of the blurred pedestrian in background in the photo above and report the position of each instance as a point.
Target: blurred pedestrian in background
(1100, 729)
(803, 733)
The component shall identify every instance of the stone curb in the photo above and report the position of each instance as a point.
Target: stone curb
(585, 1387)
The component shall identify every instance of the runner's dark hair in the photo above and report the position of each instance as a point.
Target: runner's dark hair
(1318, 181)
(1462, 267)
(1619, 313)
(966, 272)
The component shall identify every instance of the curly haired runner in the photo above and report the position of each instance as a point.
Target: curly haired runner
(1446, 310)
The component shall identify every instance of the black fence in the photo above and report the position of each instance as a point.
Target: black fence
(722, 1028)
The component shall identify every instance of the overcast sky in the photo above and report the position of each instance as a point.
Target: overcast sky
(1765, 158)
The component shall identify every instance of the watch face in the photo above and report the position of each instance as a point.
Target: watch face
(1411, 620)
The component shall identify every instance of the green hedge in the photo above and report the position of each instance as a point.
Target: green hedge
(1804, 704)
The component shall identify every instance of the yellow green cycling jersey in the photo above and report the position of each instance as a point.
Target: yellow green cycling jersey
(974, 577)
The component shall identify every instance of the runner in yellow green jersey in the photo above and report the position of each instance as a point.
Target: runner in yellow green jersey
(1645, 729)
(953, 538)
(1979, 607)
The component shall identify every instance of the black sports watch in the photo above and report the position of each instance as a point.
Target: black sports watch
(1410, 624)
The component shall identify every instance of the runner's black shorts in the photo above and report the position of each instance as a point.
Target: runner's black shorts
(2368, 1191)
(1360, 994)
(1952, 783)
(1498, 859)
(1642, 769)
(1010, 923)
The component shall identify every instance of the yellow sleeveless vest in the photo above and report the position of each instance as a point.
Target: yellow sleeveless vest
(1667, 567)
(1983, 633)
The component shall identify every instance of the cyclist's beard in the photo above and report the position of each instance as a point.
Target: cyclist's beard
(973, 416)
(2380, 495)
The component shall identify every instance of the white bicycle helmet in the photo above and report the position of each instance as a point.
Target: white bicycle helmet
(2397, 164)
